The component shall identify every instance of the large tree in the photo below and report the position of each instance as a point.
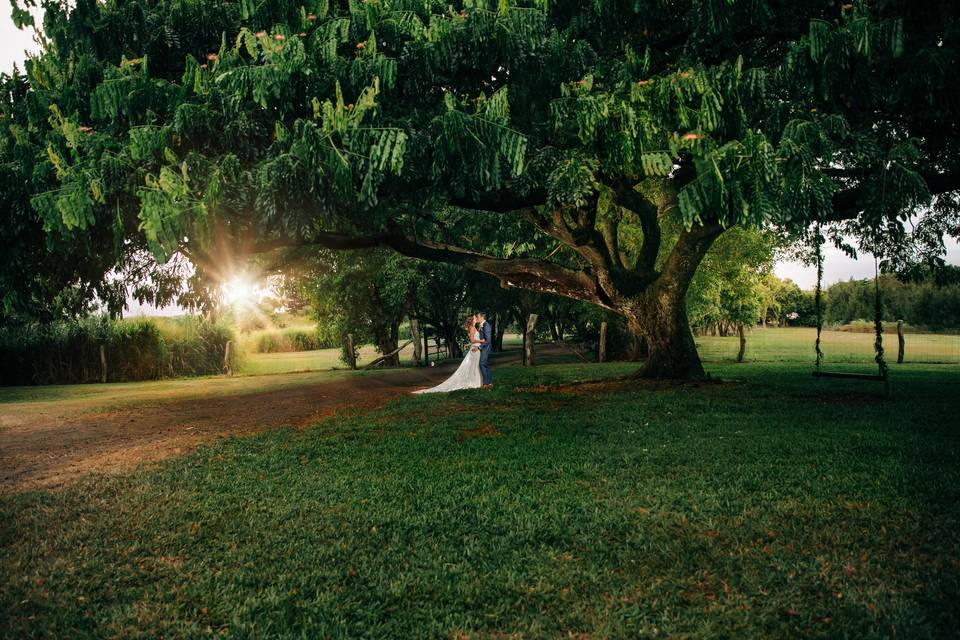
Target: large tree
(578, 130)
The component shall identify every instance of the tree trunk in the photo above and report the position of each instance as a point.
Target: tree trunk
(426, 346)
(453, 345)
(387, 339)
(499, 328)
(602, 348)
(743, 342)
(103, 363)
(351, 352)
(662, 320)
(900, 342)
(228, 359)
(417, 342)
(528, 340)
(554, 332)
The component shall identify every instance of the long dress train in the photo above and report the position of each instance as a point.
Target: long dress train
(467, 375)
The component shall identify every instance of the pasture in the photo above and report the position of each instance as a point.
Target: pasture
(540, 509)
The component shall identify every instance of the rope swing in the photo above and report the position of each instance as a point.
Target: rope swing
(883, 373)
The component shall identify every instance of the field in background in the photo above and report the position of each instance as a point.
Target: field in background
(763, 345)
(797, 345)
(322, 359)
(264, 363)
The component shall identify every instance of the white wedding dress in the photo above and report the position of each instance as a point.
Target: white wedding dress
(467, 375)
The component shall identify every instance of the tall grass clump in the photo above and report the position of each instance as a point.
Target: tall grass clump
(141, 349)
(288, 340)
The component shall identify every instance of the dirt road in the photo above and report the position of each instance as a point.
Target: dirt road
(48, 448)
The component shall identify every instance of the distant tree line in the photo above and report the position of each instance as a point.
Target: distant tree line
(924, 300)
(923, 304)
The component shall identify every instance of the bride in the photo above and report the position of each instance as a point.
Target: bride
(467, 375)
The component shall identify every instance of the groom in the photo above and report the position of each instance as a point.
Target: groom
(486, 337)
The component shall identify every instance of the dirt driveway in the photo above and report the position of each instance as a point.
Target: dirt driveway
(44, 449)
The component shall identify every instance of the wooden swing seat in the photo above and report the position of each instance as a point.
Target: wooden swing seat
(849, 376)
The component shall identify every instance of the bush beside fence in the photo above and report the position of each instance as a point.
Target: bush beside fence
(70, 352)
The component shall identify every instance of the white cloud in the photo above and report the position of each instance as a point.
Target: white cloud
(15, 43)
(839, 266)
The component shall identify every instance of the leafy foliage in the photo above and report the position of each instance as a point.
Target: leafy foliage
(364, 294)
(921, 304)
(215, 129)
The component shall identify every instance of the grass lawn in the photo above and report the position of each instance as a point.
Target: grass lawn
(773, 505)
(268, 363)
(261, 363)
(763, 345)
(796, 344)
(100, 397)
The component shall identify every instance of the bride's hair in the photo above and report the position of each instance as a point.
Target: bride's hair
(468, 323)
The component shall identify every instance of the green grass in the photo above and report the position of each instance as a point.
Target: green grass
(772, 506)
(261, 363)
(797, 345)
(22, 401)
(321, 359)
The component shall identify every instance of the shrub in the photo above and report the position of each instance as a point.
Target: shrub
(143, 349)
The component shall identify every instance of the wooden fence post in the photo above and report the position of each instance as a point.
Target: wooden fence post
(351, 354)
(417, 344)
(228, 359)
(900, 341)
(602, 350)
(743, 342)
(103, 363)
(528, 340)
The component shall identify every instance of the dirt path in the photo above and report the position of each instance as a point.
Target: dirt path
(51, 448)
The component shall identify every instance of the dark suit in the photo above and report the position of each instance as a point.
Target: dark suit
(486, 334)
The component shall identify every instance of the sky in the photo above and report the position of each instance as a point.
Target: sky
(837, 266)
(13, 42)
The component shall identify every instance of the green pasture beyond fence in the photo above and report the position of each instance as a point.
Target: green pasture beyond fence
(124, 350)
(841, 347)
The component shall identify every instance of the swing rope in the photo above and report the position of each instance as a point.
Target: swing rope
(818, 296)
(878, 321)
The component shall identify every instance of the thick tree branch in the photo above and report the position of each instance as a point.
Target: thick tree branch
(610, 228)
(501, 201)
(847, 204)
(646, 212)
(685, 257)
(525, 273)
(583, 238)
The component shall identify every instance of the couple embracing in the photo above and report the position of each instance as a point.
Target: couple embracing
(474, 371)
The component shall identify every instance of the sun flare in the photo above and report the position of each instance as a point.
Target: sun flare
(239, 291)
